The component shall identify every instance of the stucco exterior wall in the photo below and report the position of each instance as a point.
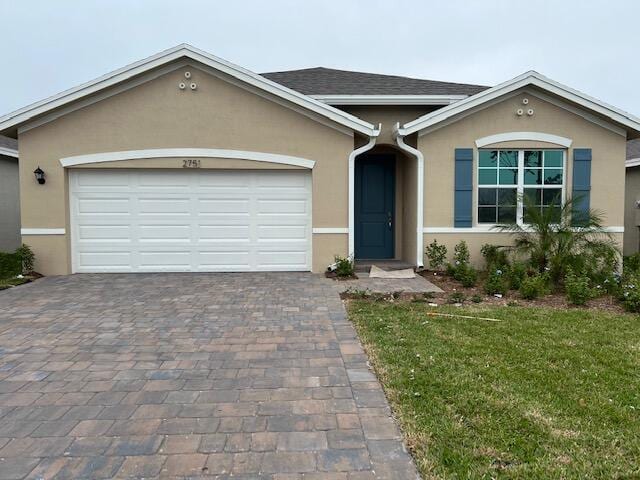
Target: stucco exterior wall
(9, 204)
(607, 166)
(157, 114)
(631, 211)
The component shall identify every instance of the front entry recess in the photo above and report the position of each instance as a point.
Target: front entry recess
(375, 206)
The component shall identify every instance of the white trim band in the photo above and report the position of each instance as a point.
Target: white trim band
(323, 230)
(9, 152)
(186, 152)
(491, 229)
(524, 136)
(632, 162)
(43, 231)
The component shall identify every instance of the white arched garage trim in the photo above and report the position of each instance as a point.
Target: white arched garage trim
(186, 152)
(522, 136)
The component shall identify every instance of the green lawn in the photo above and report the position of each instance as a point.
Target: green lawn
(12, 282)
(542, 394)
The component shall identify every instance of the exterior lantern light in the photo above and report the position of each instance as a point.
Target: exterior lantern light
(39, 173)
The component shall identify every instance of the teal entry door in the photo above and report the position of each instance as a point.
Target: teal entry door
(375, 183)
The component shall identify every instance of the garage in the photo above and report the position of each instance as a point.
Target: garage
(192, 220)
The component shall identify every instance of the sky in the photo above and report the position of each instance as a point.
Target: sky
(590, 45)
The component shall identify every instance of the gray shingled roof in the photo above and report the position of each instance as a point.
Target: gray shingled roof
(633, 149)
(327, 81)
(7, 142)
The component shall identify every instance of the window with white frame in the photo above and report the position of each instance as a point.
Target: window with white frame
(506, 177)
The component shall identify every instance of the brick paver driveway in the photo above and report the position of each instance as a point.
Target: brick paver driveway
(180, 375)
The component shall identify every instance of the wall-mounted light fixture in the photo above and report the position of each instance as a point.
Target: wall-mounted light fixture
(39, 173)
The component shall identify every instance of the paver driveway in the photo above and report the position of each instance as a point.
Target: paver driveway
(174, 375)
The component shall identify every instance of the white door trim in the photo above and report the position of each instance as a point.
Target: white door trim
(186, 152)
(522, 136)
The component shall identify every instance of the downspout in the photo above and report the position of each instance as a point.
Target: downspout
(399, 135)
(352, 186)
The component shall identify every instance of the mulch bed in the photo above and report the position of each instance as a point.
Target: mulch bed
(335, 276)
(553, 300)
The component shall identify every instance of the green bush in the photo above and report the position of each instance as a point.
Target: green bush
(496, 282)
(534, 286)
(630, 293)
(460, 269)
(344, 266)
(27, 258)
(631, 264)
(10, 265)
(437, 255)
(517, 273)
(456, 297)
(494, 256)
(476, 298)
(578, 288)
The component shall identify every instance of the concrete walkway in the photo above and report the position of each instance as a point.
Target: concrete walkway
(189, 375)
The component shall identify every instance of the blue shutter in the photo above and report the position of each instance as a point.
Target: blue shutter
(581, 185)
(463, 199)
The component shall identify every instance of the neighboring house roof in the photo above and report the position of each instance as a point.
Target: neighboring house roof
(530, 78)
(8, 146)
(341, 87)
(633, 153)
(30, 112)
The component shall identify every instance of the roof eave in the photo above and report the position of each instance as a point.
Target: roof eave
(437, 100)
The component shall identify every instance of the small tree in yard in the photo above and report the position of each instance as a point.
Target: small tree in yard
(553, 243)
(437, 255)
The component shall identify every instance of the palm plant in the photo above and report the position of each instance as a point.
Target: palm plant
(553, 242)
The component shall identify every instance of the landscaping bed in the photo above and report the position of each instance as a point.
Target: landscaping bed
(540, 393)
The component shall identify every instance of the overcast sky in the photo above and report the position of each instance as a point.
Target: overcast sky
(593, 46)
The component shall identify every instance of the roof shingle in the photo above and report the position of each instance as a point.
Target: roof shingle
(327, 81)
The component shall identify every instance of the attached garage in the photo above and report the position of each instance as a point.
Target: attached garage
(192, 220)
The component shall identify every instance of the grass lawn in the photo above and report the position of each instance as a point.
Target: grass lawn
(545, 393)
(12, 282)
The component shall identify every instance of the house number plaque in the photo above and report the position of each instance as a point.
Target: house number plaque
(191, 163)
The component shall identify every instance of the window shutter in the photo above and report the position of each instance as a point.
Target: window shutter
(463, 187)
(581, 185)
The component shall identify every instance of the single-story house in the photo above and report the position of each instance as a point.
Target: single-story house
(186, 162)
(9, 195)
(632, 199)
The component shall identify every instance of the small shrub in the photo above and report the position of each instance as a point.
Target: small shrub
(496, 282)
(630, 294)
(357, 293)
(631, 264)
(461, 253)
(10, 265)
(27, 258)
(476, 298)
(437, 255)
(494, 256)
(512, 303)
(344, 266)
(517, 273)
(467, 275)
(533, 286)
(456, 297)
(578, 288)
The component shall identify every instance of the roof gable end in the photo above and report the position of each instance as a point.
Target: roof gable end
(19, 117)
(530, 78)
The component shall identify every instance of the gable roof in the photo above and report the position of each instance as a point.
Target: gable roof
(30, 112)
(8, 146)
(530, 78)
(320, 82)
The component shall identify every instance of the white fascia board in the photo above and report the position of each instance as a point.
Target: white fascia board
(9, 152)
(632, 162)
(25, 114)
(521, 81)
(186, 152)
(388, 99)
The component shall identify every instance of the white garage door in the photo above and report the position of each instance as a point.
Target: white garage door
(190, 221)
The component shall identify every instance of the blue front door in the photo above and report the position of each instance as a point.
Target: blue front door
(375, 182)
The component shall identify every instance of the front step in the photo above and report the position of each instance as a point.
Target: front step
(365, 265)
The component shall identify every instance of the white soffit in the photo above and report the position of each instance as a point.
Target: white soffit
(526, 79)
(29, 112)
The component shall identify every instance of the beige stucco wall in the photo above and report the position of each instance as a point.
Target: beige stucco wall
(631, 211)
(157, 114)
(607, 167)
